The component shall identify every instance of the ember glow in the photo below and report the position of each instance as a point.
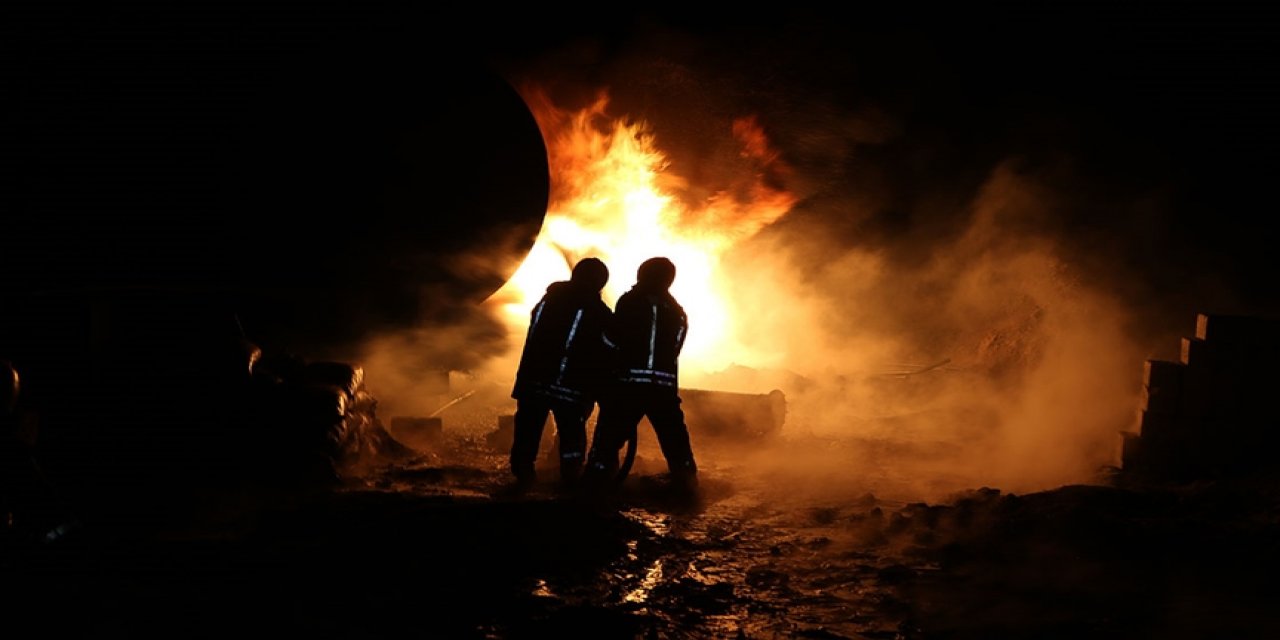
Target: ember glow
(614, 197)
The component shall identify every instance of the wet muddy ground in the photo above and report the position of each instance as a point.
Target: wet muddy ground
(440, 546)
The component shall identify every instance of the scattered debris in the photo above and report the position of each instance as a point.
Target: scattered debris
(418, 432)
(451, 403)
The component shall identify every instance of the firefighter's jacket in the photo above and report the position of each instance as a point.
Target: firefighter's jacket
(648, 330)
(565, 356)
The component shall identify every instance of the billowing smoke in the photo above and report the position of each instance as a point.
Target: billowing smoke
(971, 275)
(411, 367)
(993, 357)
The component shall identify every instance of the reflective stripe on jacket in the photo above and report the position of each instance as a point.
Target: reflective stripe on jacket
(565, 356)
(649, 329)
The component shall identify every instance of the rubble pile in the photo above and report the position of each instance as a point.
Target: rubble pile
(141, 400)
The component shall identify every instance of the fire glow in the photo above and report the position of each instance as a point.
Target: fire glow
(614, 197)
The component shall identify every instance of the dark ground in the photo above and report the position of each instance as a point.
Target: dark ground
(438, 546)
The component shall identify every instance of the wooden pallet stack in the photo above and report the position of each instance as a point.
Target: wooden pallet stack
(1216, 411)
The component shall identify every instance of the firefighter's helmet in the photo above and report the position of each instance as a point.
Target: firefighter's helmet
(656, 274)
(590, 272)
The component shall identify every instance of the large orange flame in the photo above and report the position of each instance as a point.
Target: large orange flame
(614, 198)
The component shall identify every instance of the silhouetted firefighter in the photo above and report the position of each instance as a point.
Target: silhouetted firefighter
(648, 330)
(565, 359)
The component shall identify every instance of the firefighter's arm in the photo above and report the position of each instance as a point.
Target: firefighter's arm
(682, 331)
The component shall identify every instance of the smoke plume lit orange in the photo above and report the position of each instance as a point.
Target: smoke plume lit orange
(1039, 374)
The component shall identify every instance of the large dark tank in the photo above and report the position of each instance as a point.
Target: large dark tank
(185, 198)
(324, 182)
